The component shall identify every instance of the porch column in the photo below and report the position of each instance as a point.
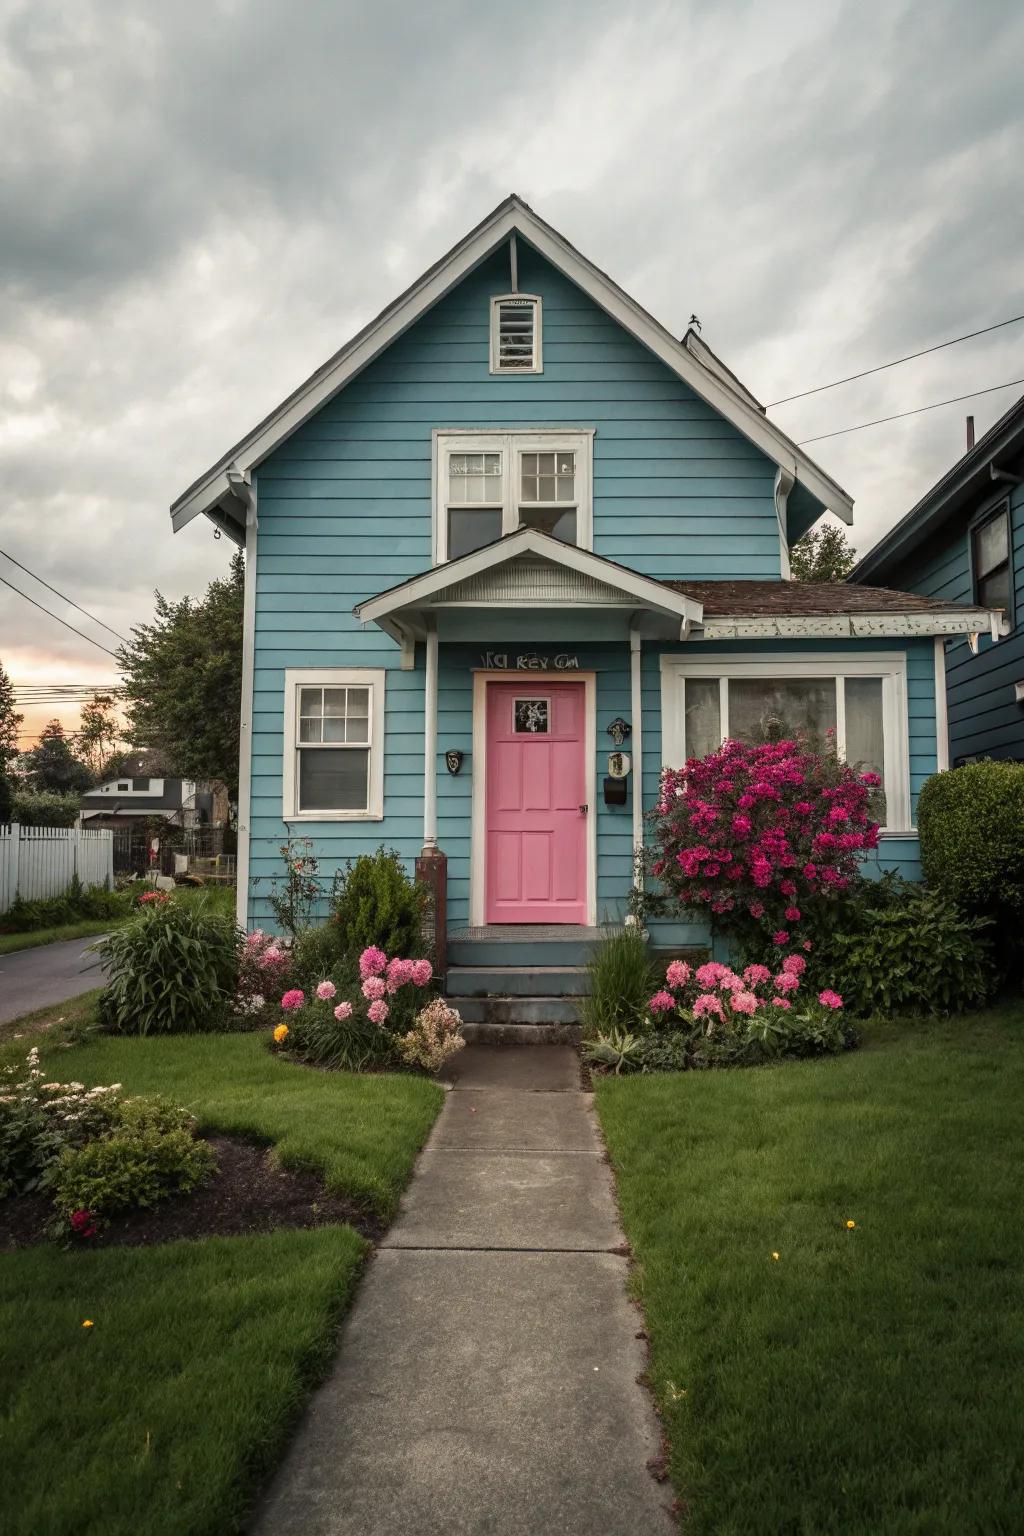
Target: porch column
(430, 743)
(636, 708)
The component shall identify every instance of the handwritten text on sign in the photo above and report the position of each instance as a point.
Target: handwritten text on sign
(528, 661)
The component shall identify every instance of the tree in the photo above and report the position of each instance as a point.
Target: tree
(823, 554)
(10, 720)
(98, 732)
(183, 681)
(54, 765)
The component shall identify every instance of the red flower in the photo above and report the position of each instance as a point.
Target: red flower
(82, 1223)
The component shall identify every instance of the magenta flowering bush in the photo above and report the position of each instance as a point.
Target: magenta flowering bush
(762, 837)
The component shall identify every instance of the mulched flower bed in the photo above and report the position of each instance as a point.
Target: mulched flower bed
(249, 1193)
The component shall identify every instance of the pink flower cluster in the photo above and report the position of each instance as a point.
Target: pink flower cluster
(380, 978)
(759, 832)
(714, 990)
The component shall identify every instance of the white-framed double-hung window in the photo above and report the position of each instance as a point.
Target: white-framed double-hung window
(334, 744)
(488, 484)
(859, 702)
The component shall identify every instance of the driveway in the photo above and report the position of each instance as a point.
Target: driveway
(35, 978)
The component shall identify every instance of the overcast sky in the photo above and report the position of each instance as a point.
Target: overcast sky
(199, 202)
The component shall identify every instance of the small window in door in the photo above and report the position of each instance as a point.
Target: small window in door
(530, 717)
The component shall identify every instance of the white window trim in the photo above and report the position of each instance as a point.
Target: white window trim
(333, 677)
(511, 444)
(891, 667)
(537, 366)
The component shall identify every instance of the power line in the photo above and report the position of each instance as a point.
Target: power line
(1013, 320)
(956, 400)
(56, 616)
(63, 597)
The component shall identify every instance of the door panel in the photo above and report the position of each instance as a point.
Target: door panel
(536, 832)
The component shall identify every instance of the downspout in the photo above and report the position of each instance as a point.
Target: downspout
(244, 490)
(636, 709)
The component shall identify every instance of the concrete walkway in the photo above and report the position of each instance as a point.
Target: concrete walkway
(50, 973)
(487, 1377)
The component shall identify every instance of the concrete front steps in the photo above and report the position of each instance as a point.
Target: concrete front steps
(520, 985)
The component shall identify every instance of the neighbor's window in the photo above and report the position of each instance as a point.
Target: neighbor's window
(515, 333)
(142, 784)
(490, 484)
(861, 708)
(990, 558)
(334, 744)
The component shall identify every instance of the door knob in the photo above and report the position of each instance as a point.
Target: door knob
(584, 809)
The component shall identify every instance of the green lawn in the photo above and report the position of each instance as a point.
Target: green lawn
(867, 1381)
(165, 1415)
(10, 942)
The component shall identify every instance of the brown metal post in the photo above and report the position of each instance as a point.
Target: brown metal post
(432, 870)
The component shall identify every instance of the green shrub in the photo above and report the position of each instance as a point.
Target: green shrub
(172, 969)
(316, 954)
(38, 1120)
(971, 823)
(317, 1036)
(45, 808)
(375, 902)
(622, 977)
(899, 947)
(132, 1165)
(617, 1051)
(74, 905)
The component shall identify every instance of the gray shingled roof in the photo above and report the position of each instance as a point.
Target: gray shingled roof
(806, 598)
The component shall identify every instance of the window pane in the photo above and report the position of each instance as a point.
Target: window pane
(334, 730)
(358, 728)
(474, 477)
(311, 701)
(530, 717)
(991, 544)
(330, 780)
(471, 530)
(561, 525)
(703, 716)
(334, 701)
(358, 701)
(769, 709)
(865, 737)
(309, 730)
(994, 590)
(140, 783)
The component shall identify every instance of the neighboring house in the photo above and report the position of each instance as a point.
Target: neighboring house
(964, 543)
(139, 795)
(511, 521)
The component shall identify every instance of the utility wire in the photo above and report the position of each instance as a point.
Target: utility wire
(1013, 320)
(1011, 384)
(56, 616)
(63, 597)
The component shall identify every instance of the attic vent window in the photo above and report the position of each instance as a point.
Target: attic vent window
(515, 334)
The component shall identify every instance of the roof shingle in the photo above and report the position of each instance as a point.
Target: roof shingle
(813, 599)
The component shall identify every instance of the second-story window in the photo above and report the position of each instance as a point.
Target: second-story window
(491, 483)
(990, 559)
(515, 334)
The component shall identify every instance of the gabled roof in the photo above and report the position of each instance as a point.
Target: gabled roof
(214, 493)
(957, 491)
(601, 582)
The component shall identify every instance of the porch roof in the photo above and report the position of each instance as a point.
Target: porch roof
(528, 570)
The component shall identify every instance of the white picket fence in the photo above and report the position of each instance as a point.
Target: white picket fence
(39, 862)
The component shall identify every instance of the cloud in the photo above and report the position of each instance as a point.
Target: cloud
(202, 201)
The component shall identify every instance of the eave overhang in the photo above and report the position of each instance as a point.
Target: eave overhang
(856, 626)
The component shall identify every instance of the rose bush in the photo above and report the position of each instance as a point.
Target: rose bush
(762, 838)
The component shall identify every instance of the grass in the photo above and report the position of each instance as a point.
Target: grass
(11, 942)
(868, 1381)
(167, 1414)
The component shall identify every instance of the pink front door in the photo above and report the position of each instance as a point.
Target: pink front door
(536, 819)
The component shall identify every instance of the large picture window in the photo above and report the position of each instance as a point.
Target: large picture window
(489, 484)
(334, 745)
(859, 703)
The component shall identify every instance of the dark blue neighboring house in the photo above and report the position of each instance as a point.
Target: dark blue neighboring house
(964, 542)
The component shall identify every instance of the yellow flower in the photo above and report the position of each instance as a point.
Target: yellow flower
(774, 1255)
(850, 1226)
(87, 1323)
(281, 1033)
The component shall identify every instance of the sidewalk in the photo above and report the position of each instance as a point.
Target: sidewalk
(487, 1376)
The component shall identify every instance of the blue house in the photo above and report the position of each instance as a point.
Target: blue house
(508, 552)
(964, 543)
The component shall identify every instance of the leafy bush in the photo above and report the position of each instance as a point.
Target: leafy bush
(358, 1025)
(376, 904)
(761, 838)
(173, 968)
(38, 1120)
(622, 977)
(971, 823)
(617, 1051)
(315, 953)
(134, 1164)
(76, 904)
(44, 808)
(904, 948)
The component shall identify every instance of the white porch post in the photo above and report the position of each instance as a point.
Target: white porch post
(430, 742)
(636, 707)
(941, 707)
